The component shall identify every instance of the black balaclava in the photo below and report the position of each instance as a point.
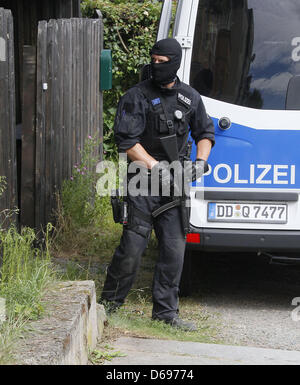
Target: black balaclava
(165, 73)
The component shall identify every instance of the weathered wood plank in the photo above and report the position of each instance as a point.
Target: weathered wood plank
(75, 80)
(67, 101)
(6, 132)
(80, 89)
(28, 137)
(3, 101)
(42, 82)
(60, 105)
(49, 121)
(7, 112)
(76, 8)
(12, 113)
(57, 89)
(70, 110)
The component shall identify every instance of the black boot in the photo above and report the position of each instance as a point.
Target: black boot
(110, 306)
(180, 324)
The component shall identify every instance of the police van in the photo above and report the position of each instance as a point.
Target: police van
(243, 57)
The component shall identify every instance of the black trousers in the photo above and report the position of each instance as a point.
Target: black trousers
(122, 271)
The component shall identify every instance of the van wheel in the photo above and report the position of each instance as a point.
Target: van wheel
(185, 288)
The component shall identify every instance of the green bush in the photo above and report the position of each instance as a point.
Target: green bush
(81, 211)
(77, 196)
(82, 215)
(129, 31)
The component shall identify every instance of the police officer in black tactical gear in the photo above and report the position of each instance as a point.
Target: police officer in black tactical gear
(153, 109)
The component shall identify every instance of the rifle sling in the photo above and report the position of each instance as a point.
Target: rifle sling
(166, 207)
(148, 218)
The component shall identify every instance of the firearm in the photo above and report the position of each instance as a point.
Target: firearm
(170, 146)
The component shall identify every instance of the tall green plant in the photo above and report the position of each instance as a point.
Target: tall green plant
(77, 196)
(25, 271)
(25, 275)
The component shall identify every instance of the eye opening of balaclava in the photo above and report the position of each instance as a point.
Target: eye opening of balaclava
(165, 73)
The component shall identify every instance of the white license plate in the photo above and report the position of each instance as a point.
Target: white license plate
(247, 212)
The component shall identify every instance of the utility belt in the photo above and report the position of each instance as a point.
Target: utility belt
(124, 214)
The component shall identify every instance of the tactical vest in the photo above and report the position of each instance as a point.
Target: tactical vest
(168, 114)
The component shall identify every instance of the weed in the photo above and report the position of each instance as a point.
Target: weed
(85, 224)
(98, 357)
(78, 193)
(25, 272)
(10, 331)
(7, 214)
(74, 271)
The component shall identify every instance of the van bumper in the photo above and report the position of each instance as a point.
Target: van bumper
(245, 240)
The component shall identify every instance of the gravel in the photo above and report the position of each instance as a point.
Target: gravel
(250, 299)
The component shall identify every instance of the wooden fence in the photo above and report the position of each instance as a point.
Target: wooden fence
(69, 103)
(61, 107)
(7, 112)
(27, 14)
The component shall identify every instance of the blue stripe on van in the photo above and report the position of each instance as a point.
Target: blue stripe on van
(247, 158)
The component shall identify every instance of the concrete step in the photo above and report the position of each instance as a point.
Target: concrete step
(141, 351)
(71, 327)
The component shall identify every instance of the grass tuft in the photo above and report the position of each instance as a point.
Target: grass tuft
(134, 319)
(25, 274)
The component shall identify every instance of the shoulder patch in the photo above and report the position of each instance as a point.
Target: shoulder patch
(185, 100)
(156, 102)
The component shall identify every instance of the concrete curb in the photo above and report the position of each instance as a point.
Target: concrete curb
(139, 352)
(73, 324)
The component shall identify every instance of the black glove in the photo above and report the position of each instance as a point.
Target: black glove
(195, 170)
(165, 176)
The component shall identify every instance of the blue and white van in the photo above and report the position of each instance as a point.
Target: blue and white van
(243, 56)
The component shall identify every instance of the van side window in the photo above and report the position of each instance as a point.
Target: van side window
(246, 51)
